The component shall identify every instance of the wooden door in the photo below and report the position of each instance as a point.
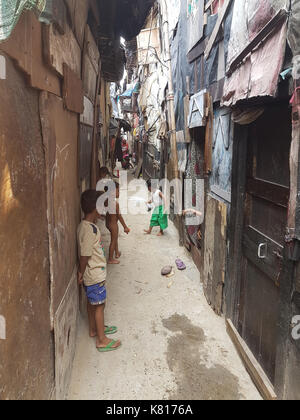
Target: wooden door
(265, 215)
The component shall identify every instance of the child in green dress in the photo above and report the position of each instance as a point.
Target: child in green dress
(159, 218)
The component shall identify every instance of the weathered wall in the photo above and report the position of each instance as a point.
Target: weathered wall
(215, 253)
(40, 178)
(27, 359)
(61, 143)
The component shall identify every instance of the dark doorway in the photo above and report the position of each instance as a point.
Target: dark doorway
(263, 236)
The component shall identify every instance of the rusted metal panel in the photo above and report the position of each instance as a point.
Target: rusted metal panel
(72, 91)
(60, 49)
(91, 48)
(249, 78)
(85, 151)
(25, 46)
(26, 368)
(55, 12)
(60, 136)
(78, 12)
(65, 329)
(89, 77)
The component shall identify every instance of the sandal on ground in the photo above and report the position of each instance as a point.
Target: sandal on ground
(180, 265)
(110, 330)
(109, 347)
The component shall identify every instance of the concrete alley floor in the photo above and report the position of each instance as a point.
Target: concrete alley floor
(174, 346)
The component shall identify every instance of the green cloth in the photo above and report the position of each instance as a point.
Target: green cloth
(11, 10)
(159, 218)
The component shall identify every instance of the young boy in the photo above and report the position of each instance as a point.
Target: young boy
(159, 218)
(92, 272)
(104, 173)
(112, 224)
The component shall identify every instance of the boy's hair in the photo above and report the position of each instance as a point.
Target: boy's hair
(104, 171)
(89, 201)
(149, 184)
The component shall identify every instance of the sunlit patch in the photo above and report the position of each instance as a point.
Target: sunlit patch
(7, 199)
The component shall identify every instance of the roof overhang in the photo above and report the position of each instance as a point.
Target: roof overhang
(118, 18)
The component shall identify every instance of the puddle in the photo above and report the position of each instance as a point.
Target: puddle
(194, 380)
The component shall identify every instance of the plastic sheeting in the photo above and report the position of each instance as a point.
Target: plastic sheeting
(294, 28)
(199, 78)
(259, 73)
(181, 69)
(11, 10)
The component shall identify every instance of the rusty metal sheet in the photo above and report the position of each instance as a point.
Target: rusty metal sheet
(257, 75)
(24, 277)
(55, 12)
(26, 47)
(85, 151)
(60, 49)
(72, 91)
(78, 12)
(65, 329)
(89, 77)
(91, 48)
(60, 136)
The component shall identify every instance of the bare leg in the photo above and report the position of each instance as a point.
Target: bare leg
(92, 323)
(102, 340)
(161, 233)
(117, 252)
(113, 246)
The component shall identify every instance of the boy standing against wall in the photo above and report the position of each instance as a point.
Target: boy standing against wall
(92, 272)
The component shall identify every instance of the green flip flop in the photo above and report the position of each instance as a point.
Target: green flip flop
(109, 347)
(110, 330)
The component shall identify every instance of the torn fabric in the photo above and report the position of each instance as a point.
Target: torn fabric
(11, 10)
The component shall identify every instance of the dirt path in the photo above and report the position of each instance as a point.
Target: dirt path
(174, 346)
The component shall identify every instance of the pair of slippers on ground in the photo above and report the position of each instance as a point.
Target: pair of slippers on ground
(168, 269)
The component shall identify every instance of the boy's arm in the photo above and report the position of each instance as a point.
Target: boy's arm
(83, 262)
(121, 220)
(85, 242)
(163, 198)
(192, 211)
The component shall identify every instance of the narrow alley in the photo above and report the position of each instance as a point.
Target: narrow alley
(174, 346)
(197, 102)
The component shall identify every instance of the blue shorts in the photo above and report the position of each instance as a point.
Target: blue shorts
(96, 294)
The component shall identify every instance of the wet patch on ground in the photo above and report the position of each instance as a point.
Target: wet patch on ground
(185, 357)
